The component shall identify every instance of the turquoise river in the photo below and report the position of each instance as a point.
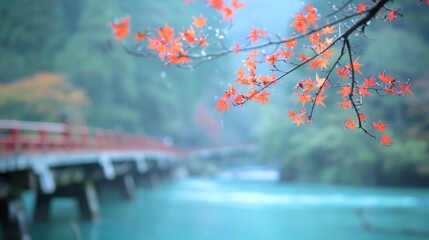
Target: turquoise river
(198, 209)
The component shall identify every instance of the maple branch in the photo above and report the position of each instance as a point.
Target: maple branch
(310, 116)
(352, 89)
(339, 9)
(370, 14)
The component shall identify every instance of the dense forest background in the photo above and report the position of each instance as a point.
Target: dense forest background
(56, 59)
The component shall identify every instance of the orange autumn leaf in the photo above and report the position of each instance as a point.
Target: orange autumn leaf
(121, 29)
(356, 66)
(291, 43)
(231, 92)
(291, 114)
(343, 72)
(319, 62)
(386, 140)
(199, 22)
(286, 54)
(361, 7)
(328, 29)
(272, 59)
(178, 59)
(236, 5)
(238, 100)
(384, 78)
(311, 17)
(370, 82)
(141, 36)
(302, 57)
(405, 88)
(345, 104)
(350, 124)
(202, 41)
(263, 97)
(303, 98)
(216, 4)
(363, 90)
(391, 15)
(300, 23)
(362, 117)
(319, 82)
(379, 126)
(328, 53)
(227, 13)
(298, 120)
(345, 91)
(222, 105)
(319, 99)
(189, 35)
(256, 33)
(166, 33)
(252, 94)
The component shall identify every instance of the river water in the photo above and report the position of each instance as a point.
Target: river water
(213, 209)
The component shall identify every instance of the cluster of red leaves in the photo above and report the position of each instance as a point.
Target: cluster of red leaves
(163, 41)
(316, 50)
(310, 92)
(170, 46)
(227, 11)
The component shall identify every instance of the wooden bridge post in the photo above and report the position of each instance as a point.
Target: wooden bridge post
(13, 219)
(127, 186)
(84, 193)
(42, 206)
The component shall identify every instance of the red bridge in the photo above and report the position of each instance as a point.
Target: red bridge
(64, 160)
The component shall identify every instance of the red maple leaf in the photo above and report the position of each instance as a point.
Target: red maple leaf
(121, 29)
(236, 5)
(369, 82)
(238, 100)
(303, 98)
(302, 57)
(199, 22)
(166, 33)
(361, 7)
(216, 4)
(343, 72)
(297, 120)
(356, 66)
(263, 97)
(231, 92)
(345, 103)
(384, 78)
(350, 124)
(222, 105)
(227, 13)
(345, 90)
(300, 23)
(141, 36)
(405, 88)
(272, 59)
(362, 117)
(379, 126)
(391, 15)
(292, 114)
(385, 140)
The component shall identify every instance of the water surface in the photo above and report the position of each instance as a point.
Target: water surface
(196, 209)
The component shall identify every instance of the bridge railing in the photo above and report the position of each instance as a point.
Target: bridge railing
(25, 136)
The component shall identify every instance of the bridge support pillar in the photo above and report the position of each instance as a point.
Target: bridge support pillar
(13, 219)
(84, 193)
(127, 186)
